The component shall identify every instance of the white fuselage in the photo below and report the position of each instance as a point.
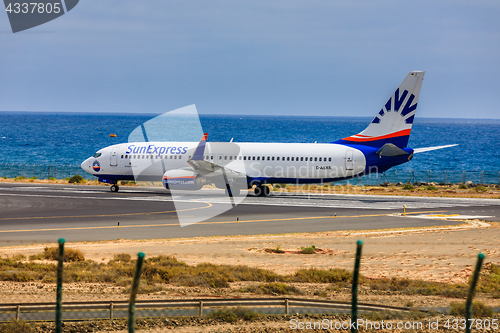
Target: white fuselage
(267, 162)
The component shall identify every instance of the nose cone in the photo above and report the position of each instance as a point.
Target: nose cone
(86, 165)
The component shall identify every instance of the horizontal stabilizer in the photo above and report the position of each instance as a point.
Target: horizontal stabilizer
(423, 150)
(391, 150)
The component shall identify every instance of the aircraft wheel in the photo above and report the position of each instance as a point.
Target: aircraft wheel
(266, 191)
(262, 191)
(115, 188)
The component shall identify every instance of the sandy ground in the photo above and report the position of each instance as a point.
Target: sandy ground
(445, 254)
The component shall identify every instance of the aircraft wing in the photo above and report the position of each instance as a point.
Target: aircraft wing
(423, 150)
(204, 167)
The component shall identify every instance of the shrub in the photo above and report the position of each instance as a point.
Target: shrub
(276, 250)
(480, 188)
(38, 256)
(333, 275)
(490, 282)
(52, 178)
(70, 255)
(462, 187)
(122, 257)
(20, 178)
(33, 178)
(274, 288)
(479, 310)
(431, 188)
(408, 186)
(233, 314)
(76, 179)
(19, 257)
(16, 326)
(419, 287)
(308, 250)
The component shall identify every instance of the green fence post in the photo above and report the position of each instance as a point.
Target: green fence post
(133, 293)
(59, 287)
(355, 277)
(472, 289)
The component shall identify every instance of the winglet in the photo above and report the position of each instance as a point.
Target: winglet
(200, 150)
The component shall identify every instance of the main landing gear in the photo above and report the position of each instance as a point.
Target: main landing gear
(262, 191)
(114, 188)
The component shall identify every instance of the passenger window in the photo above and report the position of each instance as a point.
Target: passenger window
(272, 158)
(225, 157)
(277, 158)
(171, 156)
(315, 159)
(180, 156)
(258, 158)
(244, 158)
(320, 159)
(296, 158)
(230, 158)
(292, 159)
(288, 158)
(240, 157)
(212, 157)
(301, 159)
(220, 157)
(268, 158)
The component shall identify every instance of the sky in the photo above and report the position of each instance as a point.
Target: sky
(305, 58)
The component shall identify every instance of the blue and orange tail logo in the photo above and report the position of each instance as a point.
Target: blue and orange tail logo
(393, 122)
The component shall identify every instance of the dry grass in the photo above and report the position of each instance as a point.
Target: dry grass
(164, 269)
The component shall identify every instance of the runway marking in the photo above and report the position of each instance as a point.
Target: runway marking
(218, 222)
(106, 215)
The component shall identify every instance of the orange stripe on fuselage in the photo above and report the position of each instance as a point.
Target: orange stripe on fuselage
(392, 135)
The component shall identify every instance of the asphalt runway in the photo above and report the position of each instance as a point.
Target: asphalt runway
(43, 213)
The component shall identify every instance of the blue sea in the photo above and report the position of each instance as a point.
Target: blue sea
(70, 138)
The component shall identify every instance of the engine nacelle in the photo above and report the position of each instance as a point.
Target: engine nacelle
(181, 179)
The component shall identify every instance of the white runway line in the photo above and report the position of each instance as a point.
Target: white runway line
(349, 201)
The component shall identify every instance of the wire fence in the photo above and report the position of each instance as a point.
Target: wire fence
(442, 177)
(42, 171)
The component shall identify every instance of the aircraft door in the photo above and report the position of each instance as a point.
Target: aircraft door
(114, 156)
(349, 163)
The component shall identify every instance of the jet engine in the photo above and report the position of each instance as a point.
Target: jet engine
(182, 179)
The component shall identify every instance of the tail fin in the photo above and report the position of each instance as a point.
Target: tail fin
(393, 123)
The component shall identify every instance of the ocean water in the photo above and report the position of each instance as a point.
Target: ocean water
(66, 138)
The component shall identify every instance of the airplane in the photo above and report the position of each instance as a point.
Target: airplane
(239, 166)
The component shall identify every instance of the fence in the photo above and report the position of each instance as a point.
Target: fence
(179, 307)
(44, 171)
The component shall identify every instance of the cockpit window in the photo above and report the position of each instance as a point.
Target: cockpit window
(96, 155)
